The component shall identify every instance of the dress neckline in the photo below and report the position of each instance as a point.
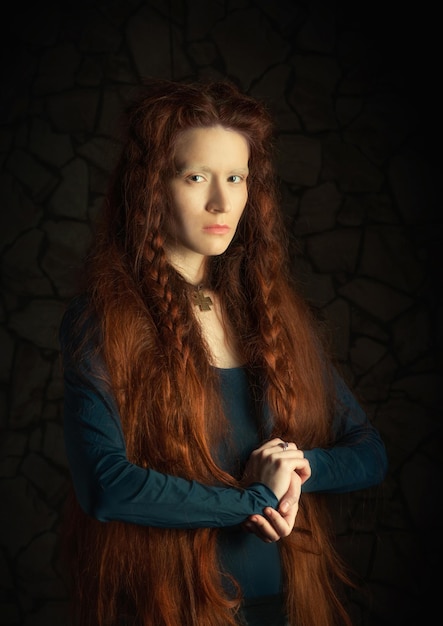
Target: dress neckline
(228, 369)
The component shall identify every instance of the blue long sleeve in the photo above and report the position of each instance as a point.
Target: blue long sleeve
(357, 460)
(109, 487)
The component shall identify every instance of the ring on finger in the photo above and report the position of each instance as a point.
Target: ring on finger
(284, 445)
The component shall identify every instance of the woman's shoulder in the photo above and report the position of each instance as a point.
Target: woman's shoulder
(75, 307)
(78, 322)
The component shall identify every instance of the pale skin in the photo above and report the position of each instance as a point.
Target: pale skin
(209, 194)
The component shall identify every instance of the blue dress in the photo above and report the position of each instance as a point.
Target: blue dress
(108, 487)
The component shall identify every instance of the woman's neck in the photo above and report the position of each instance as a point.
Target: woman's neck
(191, 268)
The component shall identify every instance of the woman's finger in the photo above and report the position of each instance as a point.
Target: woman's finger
(263, 528)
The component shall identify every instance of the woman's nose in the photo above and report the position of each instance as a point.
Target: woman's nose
(218, 201)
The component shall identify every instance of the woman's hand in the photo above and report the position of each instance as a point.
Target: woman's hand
(273, 464)
(291, 471)
(275, 524)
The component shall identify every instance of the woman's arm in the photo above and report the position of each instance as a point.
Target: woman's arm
(109, 487)
(357, 460)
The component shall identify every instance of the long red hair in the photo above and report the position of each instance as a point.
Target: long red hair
(153, 351)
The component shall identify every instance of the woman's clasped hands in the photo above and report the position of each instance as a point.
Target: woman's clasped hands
(280, 466)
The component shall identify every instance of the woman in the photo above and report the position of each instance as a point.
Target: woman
(203, 419)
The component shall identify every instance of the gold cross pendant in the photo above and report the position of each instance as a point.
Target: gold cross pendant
(199, 299)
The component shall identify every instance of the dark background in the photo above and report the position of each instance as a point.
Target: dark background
(353, 87)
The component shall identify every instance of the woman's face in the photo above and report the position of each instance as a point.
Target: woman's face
(209, 193)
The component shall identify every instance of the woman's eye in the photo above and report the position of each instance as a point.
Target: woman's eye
(235, 178)
(196, 178)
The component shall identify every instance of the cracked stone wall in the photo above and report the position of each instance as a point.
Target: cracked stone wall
(352, 90)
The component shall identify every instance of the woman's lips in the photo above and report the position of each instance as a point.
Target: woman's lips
(217, 229)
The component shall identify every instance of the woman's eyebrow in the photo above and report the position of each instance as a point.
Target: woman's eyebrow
(204, 168)
(191, 167)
